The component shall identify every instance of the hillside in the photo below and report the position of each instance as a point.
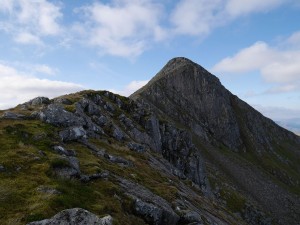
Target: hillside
(182, 150)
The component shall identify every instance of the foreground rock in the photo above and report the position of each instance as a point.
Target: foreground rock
(152, 208)
(75, 216)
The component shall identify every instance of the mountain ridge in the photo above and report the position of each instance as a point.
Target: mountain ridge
(178, 151)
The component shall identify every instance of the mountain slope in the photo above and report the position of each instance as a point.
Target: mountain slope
(103, 153)
(167, 157)
(266, 157)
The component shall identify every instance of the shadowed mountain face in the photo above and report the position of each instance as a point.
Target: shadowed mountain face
(265, 153)
(181, 151)
(192, 96)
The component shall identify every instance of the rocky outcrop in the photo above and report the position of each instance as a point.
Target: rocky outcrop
(177, 148)
(38, 101)
(13, 116)
(96, 116)
(72, 133)
(191, 217)
(75, 216)
(62, 151)
(56, 114)
(66, 167)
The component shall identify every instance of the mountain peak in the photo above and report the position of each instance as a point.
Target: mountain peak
(180, 71)
(177, 63)
(194, 97)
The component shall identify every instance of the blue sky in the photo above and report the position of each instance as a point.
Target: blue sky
(53, 47)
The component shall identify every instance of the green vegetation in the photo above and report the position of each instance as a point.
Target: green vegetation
(27, 170)
(70, 108)
(59, 163)
(234, 201)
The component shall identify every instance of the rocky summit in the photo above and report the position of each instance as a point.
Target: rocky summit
(181, 150)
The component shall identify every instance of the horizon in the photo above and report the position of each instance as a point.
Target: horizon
(50, 48)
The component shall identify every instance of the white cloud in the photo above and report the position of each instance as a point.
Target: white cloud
(17, 87)
(135, 85)
(29, 20)
(131, 87)
(294, 40)
(6, 5)
(237, 7)
(27, 38)
(200, 17)
(196, 17)
(45, 69)
(122, 27)
(42, 15)
(284, 69)
(247, 59)
(277, 66)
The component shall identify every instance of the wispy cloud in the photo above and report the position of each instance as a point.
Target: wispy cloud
(17, 87)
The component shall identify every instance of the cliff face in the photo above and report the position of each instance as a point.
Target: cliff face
(184, 151)
(189, 94)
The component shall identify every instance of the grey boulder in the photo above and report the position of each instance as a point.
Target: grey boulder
(72, 133)
(75, 216)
